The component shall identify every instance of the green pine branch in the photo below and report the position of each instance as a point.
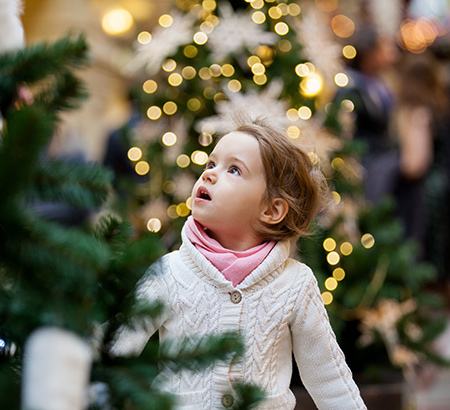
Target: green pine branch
(35, 63)
(79, 185)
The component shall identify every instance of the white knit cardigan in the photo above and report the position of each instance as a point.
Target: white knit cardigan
(278, 309)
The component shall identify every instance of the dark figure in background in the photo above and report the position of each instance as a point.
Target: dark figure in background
(423, 132)
(374, 103)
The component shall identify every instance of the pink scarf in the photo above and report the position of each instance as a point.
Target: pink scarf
(234, 265)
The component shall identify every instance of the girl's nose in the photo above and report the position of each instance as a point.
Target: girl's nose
(209, 175)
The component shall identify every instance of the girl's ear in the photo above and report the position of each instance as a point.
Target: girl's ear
(274, 212)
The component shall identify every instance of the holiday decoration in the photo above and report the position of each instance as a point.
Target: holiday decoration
(284, 60)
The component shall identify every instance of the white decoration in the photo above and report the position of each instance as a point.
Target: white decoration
(165, 42)
(319, 45)
(56, 370)
(11, 30)
(235, 32)
(255, 104)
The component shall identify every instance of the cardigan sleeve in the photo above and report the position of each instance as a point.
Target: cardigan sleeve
(321, 363)
(131, 340)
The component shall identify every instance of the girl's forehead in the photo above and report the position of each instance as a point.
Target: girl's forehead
(236, 140)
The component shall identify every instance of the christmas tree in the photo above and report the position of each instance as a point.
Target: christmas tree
(66, 287)
(280, 59)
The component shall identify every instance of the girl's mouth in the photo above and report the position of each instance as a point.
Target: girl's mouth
(203, 193)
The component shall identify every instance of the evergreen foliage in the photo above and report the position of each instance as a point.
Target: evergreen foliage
(72, 277)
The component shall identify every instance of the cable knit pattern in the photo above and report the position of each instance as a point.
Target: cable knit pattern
(277, 308)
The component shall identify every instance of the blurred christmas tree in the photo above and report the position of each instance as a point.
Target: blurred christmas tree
(60, 281)
(280, 59)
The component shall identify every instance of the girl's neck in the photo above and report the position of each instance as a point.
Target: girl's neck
(236, 243)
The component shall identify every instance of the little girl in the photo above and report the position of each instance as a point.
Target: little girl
(233, 273)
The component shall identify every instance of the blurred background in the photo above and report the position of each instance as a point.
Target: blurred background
(363, 86)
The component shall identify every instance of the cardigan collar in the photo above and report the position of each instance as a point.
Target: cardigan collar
(272, 262)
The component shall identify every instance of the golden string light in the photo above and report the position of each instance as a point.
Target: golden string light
(285, 46)
(194, 104)
(144, 37)
(327, 298)
(169, 187)
(154, 112)
(215, 70)
(182, 210)
(175, 79)
(205, 139)
(292, 114)
(337, 163)
(204, 73)
(165, 20)
(349, 52)
(338, 274)
(227, 70)
(329, 244)
(169, 65)
(154, 225)
(258, 17)
(134, 154)
(188, 72)
(170, 108)
(346, 248)
(142, 168)
(292, 131)
(150, 86)
(117, 21)
(183, 161)
(311, 85)
(331, 284)
(200, 38)
(172, 212)
(190, 51)
(347, 105)
(333, 258)
(257, 4)
(367, 240)
(304, 112)
(336, 197)
(169, 139)
(281, 28)
(341, 79)
(199, 157)
(234, 86)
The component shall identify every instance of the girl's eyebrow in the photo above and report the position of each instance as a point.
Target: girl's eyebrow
(231, 159)
(240, 163)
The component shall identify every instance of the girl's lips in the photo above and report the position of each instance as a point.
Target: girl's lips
(202, 193)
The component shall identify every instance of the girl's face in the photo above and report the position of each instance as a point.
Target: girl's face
(228, 198)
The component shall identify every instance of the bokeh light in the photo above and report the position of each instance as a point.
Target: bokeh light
(134, 154)
(327, 298)
(342, 26)
(329, 244)
(169, 139)
(154, 225)
(117, 21)
(367, 240)
(142, 168)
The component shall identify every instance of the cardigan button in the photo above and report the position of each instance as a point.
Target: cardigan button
(227, 400)
(235, 297)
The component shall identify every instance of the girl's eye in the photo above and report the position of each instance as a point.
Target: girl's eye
(210, 165)
(234, 170)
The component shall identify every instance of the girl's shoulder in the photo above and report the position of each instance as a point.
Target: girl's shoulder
(299, 274)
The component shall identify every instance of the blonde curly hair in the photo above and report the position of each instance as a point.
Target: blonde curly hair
(290, 175)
